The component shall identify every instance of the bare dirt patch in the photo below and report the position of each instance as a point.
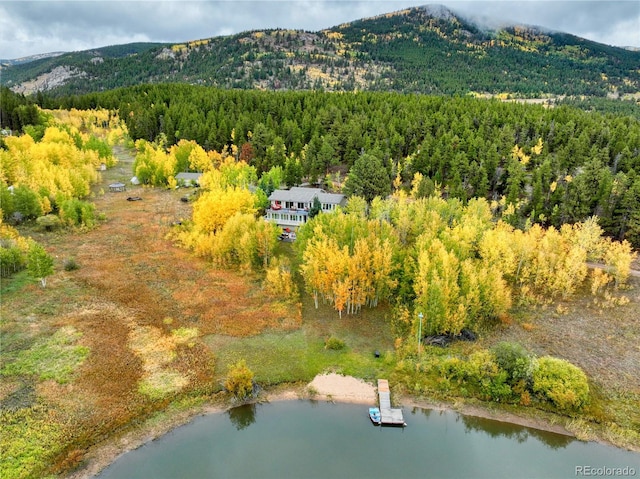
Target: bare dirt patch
(343, 388)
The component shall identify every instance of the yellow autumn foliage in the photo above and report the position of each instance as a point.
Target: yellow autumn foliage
(462, 266)
(54, 168)
(214, 207)
(278, 281)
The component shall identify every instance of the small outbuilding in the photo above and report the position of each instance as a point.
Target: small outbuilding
(117, 187)
(188, 179)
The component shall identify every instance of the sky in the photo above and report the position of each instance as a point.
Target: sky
(42, 26)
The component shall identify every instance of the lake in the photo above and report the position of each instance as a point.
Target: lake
(307, 439)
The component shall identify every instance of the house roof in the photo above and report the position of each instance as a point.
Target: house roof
(306, 195)
(188, 176)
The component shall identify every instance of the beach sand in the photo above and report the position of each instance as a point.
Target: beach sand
(342, 389)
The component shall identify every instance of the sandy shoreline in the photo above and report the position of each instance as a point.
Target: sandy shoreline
(326, 387)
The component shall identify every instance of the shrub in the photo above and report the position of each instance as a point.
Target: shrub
(77, 212)
(515, 360)
(401, 321)
(483, 371)
(334, 344)
(6, 200)
(70, 264)
(452, 368)
(560, 382)
(240, 380)
(48, 222)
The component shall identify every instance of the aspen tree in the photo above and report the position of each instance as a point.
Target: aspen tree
(213, 208)
(39, 263)
(619, 256)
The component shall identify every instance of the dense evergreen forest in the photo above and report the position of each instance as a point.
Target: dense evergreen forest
(553, 165)
(17, 111)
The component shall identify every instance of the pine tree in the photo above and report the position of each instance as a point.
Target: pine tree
(368, 178)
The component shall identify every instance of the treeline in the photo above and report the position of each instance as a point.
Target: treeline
(18, 111)
(623, 107)
(588, 164)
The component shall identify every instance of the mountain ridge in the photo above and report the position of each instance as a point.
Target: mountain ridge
(427, 49)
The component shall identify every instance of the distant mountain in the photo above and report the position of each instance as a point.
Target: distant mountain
(423, 49)
(31, 58)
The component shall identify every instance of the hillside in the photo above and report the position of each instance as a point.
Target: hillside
(423, 49)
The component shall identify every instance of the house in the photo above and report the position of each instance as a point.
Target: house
(188, 179)
(290, 208)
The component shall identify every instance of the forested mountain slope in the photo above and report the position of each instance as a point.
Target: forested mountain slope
(422, 49)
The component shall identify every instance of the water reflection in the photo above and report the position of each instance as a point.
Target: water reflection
(513, 432)
(425, 412)
(316, 440)
(242, 416)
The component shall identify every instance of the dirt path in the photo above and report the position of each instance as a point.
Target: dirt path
(633, 272)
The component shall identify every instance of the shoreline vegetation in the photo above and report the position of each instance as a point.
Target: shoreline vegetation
(143, 331)
(329, 387)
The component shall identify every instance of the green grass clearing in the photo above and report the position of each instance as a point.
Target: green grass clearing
(55, 357)
(289, 357)
(15, 283)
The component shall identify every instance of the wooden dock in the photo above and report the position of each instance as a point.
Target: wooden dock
(388, 415)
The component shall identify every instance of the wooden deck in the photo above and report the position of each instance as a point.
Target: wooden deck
(388, 415)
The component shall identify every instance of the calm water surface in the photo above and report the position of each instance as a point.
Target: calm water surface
(306, 439)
